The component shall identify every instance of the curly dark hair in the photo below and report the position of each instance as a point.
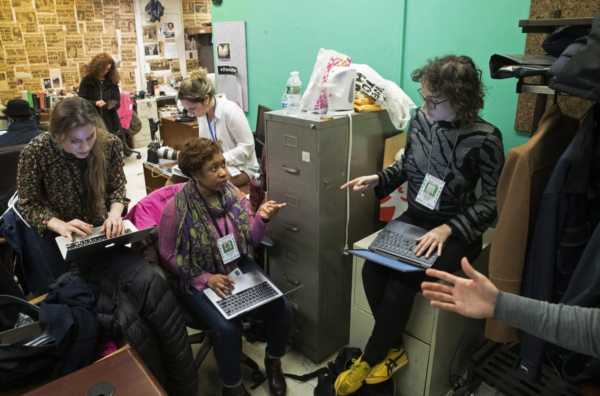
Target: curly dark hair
(458, 79)
(98, 64)
(195, 153)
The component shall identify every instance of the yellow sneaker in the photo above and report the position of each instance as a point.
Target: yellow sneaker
(395, 359)
(352, 379)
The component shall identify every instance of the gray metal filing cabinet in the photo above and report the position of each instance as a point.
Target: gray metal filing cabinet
(306, 165)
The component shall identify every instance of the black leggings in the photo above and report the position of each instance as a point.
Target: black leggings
(391, 293)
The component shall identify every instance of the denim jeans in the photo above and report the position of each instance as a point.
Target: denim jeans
(228, 333)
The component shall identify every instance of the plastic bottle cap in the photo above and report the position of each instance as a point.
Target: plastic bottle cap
(294, 73)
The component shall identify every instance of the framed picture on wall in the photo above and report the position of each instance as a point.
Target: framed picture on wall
(151, 50)
(169, 30)
(223, 51)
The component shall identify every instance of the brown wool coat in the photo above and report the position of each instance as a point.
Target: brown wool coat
(526, 172)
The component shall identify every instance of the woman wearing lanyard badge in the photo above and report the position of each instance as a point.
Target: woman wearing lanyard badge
(449, 148)
(220, 119)
(206, 232)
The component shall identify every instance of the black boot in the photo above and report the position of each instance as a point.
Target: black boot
(276, 380)
(237, 391)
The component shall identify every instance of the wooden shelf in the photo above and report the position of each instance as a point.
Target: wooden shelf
(549, 25)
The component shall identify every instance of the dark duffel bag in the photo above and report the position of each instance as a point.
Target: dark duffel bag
(27, 354)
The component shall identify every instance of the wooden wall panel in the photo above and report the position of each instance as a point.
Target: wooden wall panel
(540, 9)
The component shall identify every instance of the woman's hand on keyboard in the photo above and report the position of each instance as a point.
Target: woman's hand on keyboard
(434, 239)
(362, 184)
(68, 230)
(113, 226)
(221, 284)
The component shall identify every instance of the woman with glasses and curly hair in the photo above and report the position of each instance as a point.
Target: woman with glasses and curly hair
(101, 88)
(449, 149)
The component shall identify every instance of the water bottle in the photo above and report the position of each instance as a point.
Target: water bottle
(256, 179)
(294, 89)
(284, 102)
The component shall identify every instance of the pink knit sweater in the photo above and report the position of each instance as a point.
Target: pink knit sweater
(167, 237)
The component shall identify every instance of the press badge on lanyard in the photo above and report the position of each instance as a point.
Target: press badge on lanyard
(213, 135)
(228, 248)
(431, 190)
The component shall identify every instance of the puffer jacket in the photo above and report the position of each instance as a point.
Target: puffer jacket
(580, 76)
(135, 302)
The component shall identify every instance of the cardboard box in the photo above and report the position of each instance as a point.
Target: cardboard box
(396, 203)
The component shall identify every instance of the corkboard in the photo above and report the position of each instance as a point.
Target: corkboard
(540, 9)
(45, 44)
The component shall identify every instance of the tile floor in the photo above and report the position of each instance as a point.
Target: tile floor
(210, 383)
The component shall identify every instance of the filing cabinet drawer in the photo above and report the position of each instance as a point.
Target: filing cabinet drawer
(142, 136)
(420, 323)
(292, 265)
(292, 154)
(305, 320)
(298, 221)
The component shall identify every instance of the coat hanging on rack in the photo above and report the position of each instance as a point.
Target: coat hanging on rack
(561, 235)
(526, 172)
(581, 75)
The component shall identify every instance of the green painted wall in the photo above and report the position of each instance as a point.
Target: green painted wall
(392, 36)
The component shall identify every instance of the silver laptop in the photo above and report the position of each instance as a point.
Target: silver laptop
(252, 290)
(98, 243)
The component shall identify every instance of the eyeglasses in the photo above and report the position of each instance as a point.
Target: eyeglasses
(430, 102)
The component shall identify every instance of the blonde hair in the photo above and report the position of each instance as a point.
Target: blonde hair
(72, 113)
(196, 88)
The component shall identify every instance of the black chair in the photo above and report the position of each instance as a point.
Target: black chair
(9, 163)
(259, 133)
(122, 134)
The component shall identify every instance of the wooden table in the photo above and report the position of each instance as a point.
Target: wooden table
(156, 177)
(124, 370)
(176, 134)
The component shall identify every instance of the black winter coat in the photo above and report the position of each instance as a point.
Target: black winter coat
(90, 90)
(580, 76)
(134, 301)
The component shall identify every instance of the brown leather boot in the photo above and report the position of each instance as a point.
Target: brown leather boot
(275, 378)
(237, 391)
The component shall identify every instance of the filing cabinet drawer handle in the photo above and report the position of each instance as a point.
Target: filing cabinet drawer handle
(289, 227)
(293, 282)
(290, 170)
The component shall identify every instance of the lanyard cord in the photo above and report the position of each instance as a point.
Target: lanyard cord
(213, 137)
(449, 159)
(212, 218)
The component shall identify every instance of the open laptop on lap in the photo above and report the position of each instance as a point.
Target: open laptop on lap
(98, 243)
(252, 290)
(394, 247)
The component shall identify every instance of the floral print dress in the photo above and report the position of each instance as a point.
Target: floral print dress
(50, 182)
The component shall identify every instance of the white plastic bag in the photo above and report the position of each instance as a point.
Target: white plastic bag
(315, 97)
(386, 93)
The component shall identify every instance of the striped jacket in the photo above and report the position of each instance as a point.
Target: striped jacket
(478, 155)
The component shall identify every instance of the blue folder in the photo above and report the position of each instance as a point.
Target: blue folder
(388, 262)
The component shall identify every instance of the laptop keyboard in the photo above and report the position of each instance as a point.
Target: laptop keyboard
(247, 298)
(401, 247)
(91, 241)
